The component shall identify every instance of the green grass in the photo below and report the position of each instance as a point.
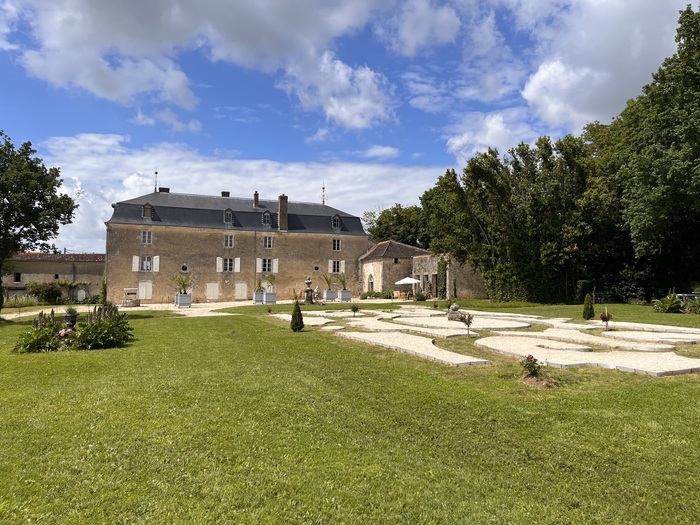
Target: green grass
(240, 420)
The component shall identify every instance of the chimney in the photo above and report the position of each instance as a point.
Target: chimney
(283, 213)
(256, 200)
(225, 194)
(163, 190)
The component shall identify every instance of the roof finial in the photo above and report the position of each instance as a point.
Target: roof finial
(323, 193)
(155, 182)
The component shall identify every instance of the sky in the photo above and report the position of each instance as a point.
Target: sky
(372, 100)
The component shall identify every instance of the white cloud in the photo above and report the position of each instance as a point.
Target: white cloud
(380, 152)
(418, 25)
(595, 55)
(500, 130)
(109, 171)
(321, 135)
(9, 16)
(354, 98)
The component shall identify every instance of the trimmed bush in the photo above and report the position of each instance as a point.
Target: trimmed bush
(588, 310)
(297, 319)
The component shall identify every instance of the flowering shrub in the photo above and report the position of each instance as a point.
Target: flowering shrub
(105, 328)
(46, 335)
(531, 366)
(606, 316)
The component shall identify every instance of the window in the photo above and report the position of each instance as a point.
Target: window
(146, 237)
(267, 242)
(266, 218)
(336, 222)
(396, 260)
(146, 263)
(18, 277)
(336, 267)
(56, 276)
(147, 211)
(267, 265)
(228, 264)
(336, 245)
(228, 217)
(228, 241)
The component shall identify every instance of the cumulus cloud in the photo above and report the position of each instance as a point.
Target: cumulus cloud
(420, 24)
(500, 130)
(354, 98)
(108, 170)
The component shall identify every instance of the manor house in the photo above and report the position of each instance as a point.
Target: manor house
(228, 245)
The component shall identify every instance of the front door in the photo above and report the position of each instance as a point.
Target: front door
(212, 292)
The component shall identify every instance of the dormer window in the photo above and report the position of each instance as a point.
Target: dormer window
(335, 221)
(147, 211)
(266, 218)
(228, 217)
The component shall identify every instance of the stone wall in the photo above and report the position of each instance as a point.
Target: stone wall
(202, 254)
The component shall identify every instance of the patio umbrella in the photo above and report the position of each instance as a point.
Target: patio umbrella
(408, 280)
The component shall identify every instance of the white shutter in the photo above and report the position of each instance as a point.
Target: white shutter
(342, 266)
(156, 263)
(237, 264)
(275, 265)
(330, 266)
(135, 261)
(219, 264)
(258, 265)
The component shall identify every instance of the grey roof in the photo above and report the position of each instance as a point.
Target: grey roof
(59, 257)
(393, 249)
(203, 211)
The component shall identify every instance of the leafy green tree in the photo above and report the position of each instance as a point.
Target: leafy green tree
(658, 152)
(398, 223)
(31, 209)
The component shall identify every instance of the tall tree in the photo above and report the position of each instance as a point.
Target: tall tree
(398, 223)
(31, 209)
(659, 157)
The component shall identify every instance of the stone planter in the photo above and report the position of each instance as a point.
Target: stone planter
(344, 296)
(258, 297)
(183, 300)
(70, 320)
(329, 295)
(269, 298)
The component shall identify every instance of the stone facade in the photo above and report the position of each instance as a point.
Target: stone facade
(45, 267)
(227, 246)
(462, 280)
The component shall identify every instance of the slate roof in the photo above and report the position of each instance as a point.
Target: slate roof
(392, 250)
(203, 211)
(59, 257)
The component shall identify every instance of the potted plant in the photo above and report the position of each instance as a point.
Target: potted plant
(269, 295)
(183, 285)
(344, 293)
(258, 291)
(71, 316)
(329, 292)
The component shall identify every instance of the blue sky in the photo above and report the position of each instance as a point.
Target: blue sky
(373, 99)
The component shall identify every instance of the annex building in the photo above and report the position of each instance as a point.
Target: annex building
(228, 245)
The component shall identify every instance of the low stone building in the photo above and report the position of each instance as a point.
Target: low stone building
(390, 261)
(228, 245)
(45, 267)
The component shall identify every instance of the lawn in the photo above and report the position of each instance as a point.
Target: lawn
(240, 420)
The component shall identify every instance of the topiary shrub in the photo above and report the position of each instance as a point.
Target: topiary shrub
(588, 311)
(420, 297)
(297, 319)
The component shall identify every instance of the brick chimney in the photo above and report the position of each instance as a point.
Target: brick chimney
(283, 213)
(256, 200)
(225, 193)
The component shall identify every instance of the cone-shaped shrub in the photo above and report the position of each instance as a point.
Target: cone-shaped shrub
(588, 312)
(297, 318)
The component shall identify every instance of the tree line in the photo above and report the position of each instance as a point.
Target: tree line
(615, 209)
